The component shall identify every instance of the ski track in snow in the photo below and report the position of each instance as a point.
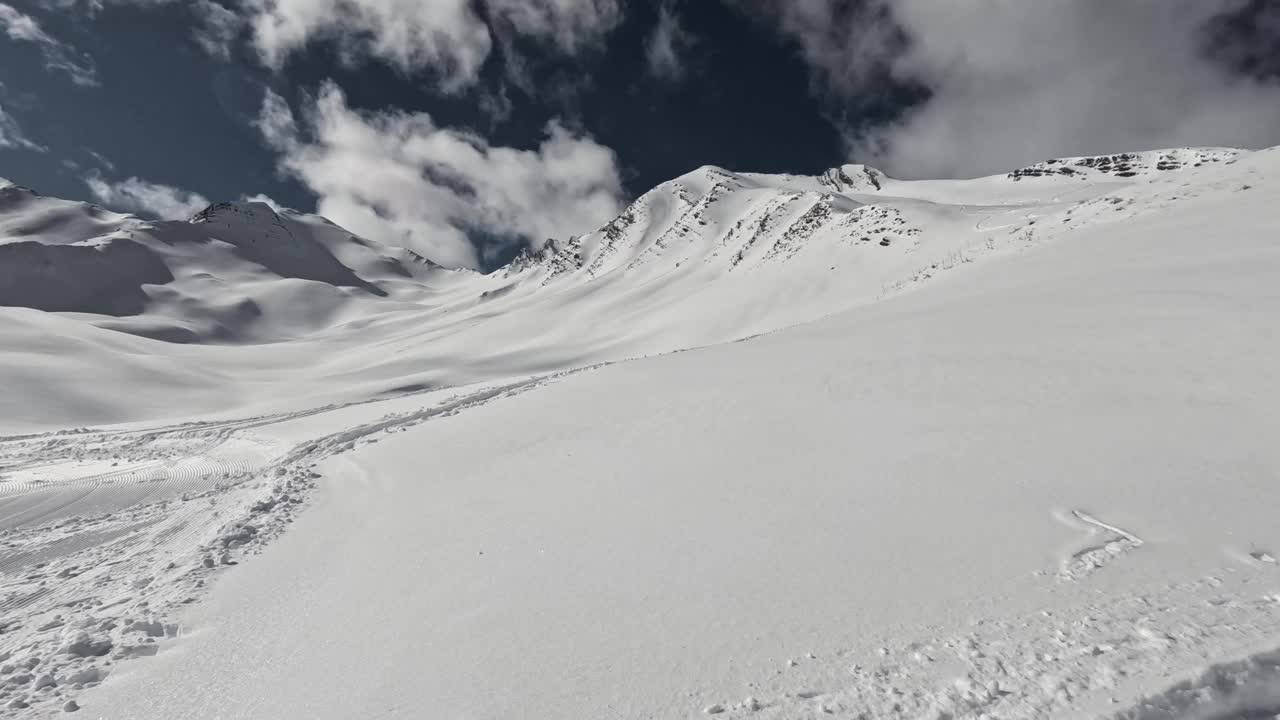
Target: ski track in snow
(93, 564)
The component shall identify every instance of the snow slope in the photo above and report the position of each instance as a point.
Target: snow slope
(710, 257)
(1041, 484)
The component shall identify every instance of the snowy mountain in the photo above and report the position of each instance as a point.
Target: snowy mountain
(236, 271)
(242, 272)
(997, 448)
(710, 257)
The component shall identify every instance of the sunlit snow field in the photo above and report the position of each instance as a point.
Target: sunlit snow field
(764, 446)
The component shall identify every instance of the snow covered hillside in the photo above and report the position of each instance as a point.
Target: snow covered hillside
(234, 272)
(994, 448)
(709, 257)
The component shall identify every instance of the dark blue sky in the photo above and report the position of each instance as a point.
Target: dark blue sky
(167, 111)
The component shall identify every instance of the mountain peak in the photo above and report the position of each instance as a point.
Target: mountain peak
(244, 210)
(854, 178)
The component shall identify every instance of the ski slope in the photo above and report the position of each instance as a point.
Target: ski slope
(1015, 463)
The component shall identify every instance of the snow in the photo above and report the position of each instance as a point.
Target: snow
(1016, 463)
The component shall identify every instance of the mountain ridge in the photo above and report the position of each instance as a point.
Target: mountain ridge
(708, 258)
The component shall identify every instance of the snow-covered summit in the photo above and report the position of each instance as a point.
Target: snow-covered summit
(726, 221)
(711, 216)
(859, 178)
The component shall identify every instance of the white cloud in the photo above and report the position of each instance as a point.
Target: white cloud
(410, 34)
(11, 135)
(136, 195)
(399, 178)
(219, 27)
(570, 25)
(58, 55)
(566, 27)
(666, 45)
(101, 160)
(449, 37)
(1014, 81)
(265, 200)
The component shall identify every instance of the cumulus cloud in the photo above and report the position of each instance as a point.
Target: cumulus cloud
(667, 44)
(399, 178)
(410, 34)
(11, 135)
(58, 56)
(1010, 82)
(137, 195)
